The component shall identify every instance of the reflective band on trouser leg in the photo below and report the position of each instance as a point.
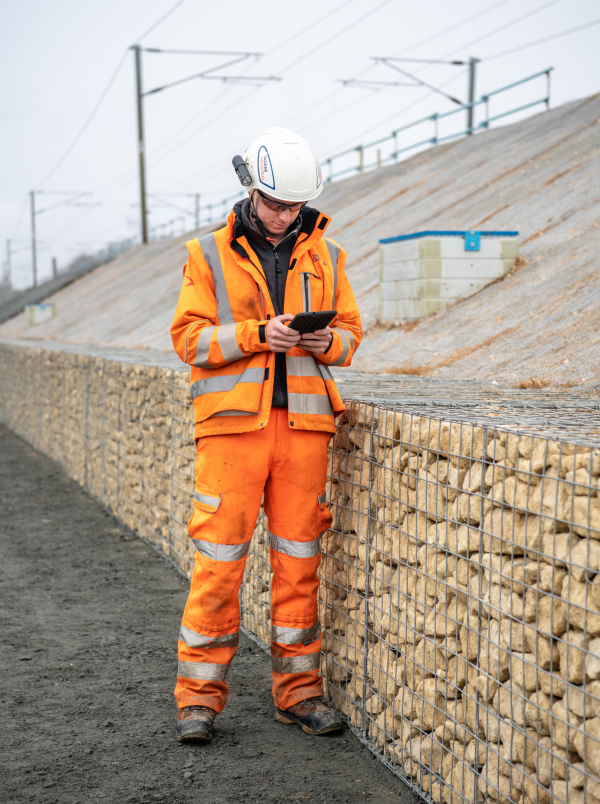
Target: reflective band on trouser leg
(296, 549)
(206, 499)
(195, 640)
(295, 670)
(203, 671)
(296, 664)
(294, 636)
(202, 668)
(221, 552)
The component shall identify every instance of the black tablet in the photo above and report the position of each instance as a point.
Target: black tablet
(311, 322)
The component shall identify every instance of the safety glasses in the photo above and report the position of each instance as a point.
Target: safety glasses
(277, 207)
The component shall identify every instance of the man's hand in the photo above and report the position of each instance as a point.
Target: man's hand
(279, 337)
(316, 342)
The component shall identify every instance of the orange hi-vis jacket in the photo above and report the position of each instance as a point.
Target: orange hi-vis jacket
(220, 322)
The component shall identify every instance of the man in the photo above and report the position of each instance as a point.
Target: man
(264, 403)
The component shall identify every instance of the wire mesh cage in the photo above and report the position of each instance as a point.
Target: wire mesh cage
(460, 599)
(460, 580)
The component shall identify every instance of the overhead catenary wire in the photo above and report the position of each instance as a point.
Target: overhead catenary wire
(545, 39)
(161, 20)
(336, 35)
(312, 26)
(501, 28)
(88, 120)
(21, 216)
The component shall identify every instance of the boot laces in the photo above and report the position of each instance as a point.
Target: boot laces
(315, 699)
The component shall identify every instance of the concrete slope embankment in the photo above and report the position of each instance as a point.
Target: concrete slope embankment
(539, 176)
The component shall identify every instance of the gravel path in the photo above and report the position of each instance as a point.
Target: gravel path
(89, 620)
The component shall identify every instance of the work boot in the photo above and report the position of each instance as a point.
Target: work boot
(313, 714)
(195, 723)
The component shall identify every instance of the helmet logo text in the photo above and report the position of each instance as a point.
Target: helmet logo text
(265, 169)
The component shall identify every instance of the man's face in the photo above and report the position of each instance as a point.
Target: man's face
(275, 221)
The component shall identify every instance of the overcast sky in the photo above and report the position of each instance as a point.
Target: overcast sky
(57, 58)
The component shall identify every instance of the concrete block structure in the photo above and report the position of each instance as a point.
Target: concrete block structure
(424, 272)
(39, 313)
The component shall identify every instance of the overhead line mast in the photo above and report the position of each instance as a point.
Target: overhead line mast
(140, 95)
(472, 64)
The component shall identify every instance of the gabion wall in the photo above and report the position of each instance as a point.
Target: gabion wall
(460, 581)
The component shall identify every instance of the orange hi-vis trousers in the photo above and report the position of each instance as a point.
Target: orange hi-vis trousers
(232, 473)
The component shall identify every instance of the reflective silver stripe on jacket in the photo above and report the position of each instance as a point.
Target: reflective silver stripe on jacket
(309, 403)
(307, 367)
(334, 253)
(206, 499)
(202, 671)
(221, 552)
(226, 382)
(228, 343)
(305, 281)
(203, 346)
(236, 413)
(296, 664)
(195, 640)
(208, 244)
(322, 498)
(302, 366)
(295, 549)
(295, 636)
(325, 373)
(347, 341)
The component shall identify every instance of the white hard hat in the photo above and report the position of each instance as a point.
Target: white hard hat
(283, 166)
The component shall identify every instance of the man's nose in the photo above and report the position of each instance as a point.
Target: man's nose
(285, 215)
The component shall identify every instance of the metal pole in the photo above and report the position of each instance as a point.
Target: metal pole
(548, 89)
(197, 210)
(470, 110)
(361, 158)
(33, 245)
(141, 146)
(54, 267)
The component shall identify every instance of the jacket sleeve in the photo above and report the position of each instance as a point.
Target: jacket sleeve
(347, 329)
(196, 336)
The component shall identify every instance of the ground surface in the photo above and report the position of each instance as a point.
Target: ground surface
(89, 620)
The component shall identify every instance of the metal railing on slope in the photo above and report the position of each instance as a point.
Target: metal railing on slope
(435, 118)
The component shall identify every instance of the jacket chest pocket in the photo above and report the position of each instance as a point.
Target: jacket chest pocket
(311, 286)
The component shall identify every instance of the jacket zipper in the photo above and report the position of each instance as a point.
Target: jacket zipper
(277, 282)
